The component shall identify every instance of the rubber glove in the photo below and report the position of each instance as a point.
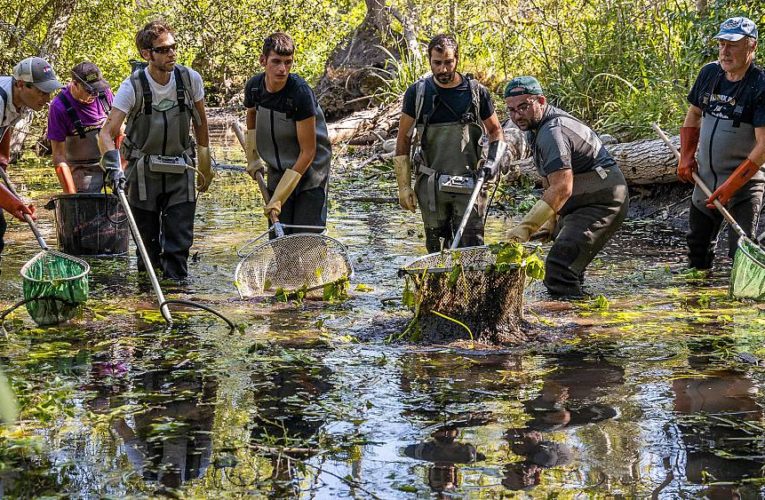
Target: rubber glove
(13, 205)
(65, 178)
(540, 213)
(689, 142)
(284, 189)
(494, 159)
(733, 183)
(110, 163)
(402, 165)
(205, 173)
(254, 163)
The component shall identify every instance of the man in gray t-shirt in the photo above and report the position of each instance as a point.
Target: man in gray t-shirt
(585, 198)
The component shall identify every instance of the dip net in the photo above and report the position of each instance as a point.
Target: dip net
(55, 286)
(302, 262)
(747, 278)
(474, 292)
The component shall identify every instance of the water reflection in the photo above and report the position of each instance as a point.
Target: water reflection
(445, 452)
(538, 453)
(170, 440)
(720, 424)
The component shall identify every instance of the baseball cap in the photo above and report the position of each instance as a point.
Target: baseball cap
(89, 74)
(521, 85)
(736, 28)
(38, 72)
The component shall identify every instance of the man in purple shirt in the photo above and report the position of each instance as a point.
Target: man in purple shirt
(75, 118)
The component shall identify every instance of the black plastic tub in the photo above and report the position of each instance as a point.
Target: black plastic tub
(90, 224)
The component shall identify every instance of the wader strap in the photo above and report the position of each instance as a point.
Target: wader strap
(141, 177)
(146, 90)
(104, 102)
(73, 116)
(191, 184)
(738, 109)
(432, 180)
(179, 90)
(4, 96)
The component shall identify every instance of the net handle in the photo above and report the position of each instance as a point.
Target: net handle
(700, 183)
(27, 217)
(239, 133)
(468, 210)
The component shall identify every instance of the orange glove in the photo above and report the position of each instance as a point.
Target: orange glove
(689, 141)
(736, 181)
(14, 206)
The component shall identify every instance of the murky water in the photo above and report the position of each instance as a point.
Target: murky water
(648, 396)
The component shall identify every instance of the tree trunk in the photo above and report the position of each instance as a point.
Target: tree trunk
(359, 65)
(642, 162)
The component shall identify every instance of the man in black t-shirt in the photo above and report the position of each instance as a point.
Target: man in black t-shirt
(287, 135)
(449, 112)
(724, 130)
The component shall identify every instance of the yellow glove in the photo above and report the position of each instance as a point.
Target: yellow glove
(204, 169)
(254, 163)
(402, 164)
(284, 189)
(540, 213)
(547, 231)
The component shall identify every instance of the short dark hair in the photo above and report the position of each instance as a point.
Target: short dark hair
(144, 39)
(279, 42)
(442, 43)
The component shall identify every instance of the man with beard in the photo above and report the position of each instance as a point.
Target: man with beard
(726, 124)
(448, 113)
(160, 102)
(583, 186)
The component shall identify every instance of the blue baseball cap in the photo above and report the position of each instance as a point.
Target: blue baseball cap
(736, 28)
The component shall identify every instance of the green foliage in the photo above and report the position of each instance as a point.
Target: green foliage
(513, 255)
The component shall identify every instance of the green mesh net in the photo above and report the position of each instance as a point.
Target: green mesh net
(747, 278)
(59, 285)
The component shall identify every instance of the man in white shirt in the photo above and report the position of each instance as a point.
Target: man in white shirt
(27, 90)
(160, 102)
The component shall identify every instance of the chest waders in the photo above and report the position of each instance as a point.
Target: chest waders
(595, 210)
(82, 153)
(160, 186)
(723, 144)
(446, 159)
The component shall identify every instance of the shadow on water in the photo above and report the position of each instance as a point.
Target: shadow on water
(641, 393)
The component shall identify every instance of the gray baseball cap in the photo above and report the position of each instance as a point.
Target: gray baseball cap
(736, 28)
(38, 72)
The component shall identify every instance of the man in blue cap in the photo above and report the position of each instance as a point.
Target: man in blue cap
(723, 139)
(585, 198)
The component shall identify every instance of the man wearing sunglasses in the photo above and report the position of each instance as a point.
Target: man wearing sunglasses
(584, 187)
(76, 116)
(160, 102)
(27, 90)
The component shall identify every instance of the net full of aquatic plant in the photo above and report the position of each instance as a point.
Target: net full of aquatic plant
(474, 292)
(57, 284)
(747, 278)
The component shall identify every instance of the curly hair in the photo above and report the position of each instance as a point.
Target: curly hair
(442, 43)
(144, 39)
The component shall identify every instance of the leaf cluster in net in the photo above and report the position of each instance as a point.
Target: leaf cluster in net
(303, 261)
(58, 283)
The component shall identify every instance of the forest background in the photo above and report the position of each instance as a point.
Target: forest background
(618, 64)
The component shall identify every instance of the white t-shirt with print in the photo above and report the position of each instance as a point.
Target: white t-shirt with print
(124, 100)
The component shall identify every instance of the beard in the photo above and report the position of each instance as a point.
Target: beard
(446, 77)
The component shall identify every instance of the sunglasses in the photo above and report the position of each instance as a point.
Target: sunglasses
(164, 50)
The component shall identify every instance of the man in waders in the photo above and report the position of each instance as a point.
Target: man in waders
(76, 116)
(28, 90)
(287, 135)
(449, 112)
(584, 187)
(725, 123)
(160, 101)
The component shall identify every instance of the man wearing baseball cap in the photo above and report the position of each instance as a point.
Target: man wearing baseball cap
(27, 90)
(74, 121)
(723, 139)
(583, 186)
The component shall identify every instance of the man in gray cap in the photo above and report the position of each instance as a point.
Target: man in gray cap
(27, 90)
(584, 187)
(725, 123)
